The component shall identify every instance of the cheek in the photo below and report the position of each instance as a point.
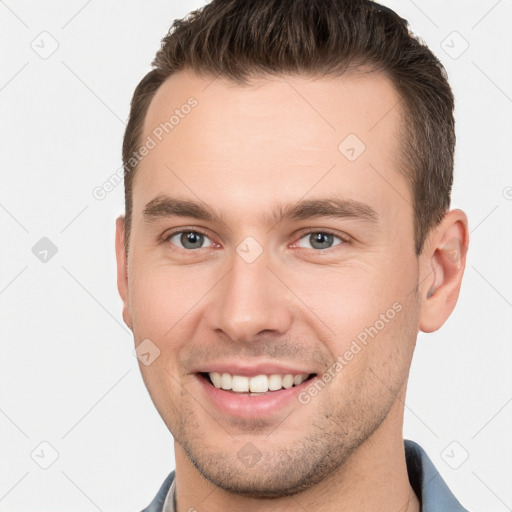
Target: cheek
(345, 299)
(363, 314)
(161, 297)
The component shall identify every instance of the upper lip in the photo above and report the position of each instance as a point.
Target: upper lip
(251, 370)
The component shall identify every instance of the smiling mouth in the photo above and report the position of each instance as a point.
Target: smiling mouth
(257, 385)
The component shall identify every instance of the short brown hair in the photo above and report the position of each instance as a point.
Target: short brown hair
(241, 39)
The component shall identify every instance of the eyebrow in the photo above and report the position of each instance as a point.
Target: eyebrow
(166, 206)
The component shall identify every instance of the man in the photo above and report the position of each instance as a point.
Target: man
(287, 234)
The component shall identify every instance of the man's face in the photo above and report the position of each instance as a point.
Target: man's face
(251, 295)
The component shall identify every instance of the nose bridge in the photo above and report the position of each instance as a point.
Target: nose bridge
(250, 299)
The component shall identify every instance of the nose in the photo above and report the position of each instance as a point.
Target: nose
(250, 300)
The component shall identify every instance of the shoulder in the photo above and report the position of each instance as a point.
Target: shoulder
(158, 501)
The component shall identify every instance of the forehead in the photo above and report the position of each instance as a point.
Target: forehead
(278, 137)
(328, 107)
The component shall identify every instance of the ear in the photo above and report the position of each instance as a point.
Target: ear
(122, 270)
(443, 263)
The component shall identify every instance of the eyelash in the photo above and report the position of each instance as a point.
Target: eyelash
(344, 240)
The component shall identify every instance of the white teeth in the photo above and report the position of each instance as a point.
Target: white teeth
(258, 384)
(216, 379)
(240, 384)
(275, 382)
(287, 381)
(225, 381)
(298, 379)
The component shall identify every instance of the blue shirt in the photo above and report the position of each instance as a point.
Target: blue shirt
(430, 488)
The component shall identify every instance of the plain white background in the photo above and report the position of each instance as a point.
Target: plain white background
(68, 375)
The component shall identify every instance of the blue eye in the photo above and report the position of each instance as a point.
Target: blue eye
(320, 239)
(189, 239)
(193, 240)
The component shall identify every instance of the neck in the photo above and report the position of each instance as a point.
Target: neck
(374, 479)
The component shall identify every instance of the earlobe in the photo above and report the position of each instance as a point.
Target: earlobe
(445, 255)
(122, 270)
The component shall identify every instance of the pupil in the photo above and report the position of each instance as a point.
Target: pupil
(191, 238)
(321, 240)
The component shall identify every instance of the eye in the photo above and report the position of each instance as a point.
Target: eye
(189, 239)
(320, 240)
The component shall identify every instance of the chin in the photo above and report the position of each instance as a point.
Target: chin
(278, 473)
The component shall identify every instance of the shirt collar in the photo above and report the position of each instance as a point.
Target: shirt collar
(429, 486)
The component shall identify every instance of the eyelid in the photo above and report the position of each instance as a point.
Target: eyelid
(185, 229)
(343, 237)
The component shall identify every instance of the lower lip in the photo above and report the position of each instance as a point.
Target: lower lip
(242, 405)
